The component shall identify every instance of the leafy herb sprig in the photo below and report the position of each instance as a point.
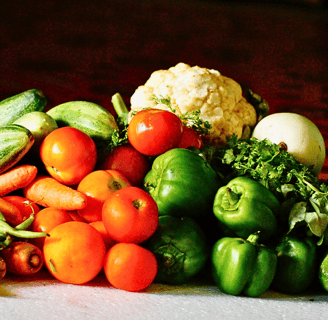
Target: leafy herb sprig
(190, 119)
(302, 195)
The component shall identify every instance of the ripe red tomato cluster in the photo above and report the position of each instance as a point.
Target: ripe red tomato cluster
(117, 207)
(129, 216)
(123, 214)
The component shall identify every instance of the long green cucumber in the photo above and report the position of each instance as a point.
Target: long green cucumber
(16, 106)
(89, 117)
(15, 142)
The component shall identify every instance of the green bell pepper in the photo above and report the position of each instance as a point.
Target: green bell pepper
(323, 269)
(244, 206)
(180, 247)
(242, 266)
(182, 183)
(297, 264)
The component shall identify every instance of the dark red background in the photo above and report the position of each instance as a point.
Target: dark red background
(89, 50)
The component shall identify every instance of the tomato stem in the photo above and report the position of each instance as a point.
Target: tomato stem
(137, 204)
(116, 185)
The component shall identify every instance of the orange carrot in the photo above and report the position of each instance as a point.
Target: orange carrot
(10, 212)
(22, 258)
(17, 178)
(48, 192)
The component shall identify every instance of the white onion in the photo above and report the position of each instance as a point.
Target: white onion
(301, 136)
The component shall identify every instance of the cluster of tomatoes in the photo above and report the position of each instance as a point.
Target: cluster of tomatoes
(108, 232)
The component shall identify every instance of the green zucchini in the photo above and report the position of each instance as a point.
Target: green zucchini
(15, 142)
(89, 117)
(40, 124)
(16, 106)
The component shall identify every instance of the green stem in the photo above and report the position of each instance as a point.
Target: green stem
(312, 186)
(254, 238)
(232, 197)
(119, 104)
(168, 259)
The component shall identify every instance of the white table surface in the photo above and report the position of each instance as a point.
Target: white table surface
(43, 297)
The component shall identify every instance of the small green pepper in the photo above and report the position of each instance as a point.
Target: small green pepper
(297, 264)
(245, 206)
(243, 266)
(182, 183)
(180, 247)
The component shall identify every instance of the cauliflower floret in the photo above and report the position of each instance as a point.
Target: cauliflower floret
(218, 98)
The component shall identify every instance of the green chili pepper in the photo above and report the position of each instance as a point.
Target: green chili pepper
(182, 183)
(180, 247)
(242, 266)
(297, 264)
(245, 206)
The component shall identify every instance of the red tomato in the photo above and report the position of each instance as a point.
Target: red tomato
(97, 186)
(130, 162)
(130, 215)
(190, 138)
(68, 155)
(130, 267)
(154, 131)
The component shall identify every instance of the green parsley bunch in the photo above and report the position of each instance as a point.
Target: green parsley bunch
(302, 195)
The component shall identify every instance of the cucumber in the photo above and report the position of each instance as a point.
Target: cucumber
(16, 106)
(15, 142)
(89, 117)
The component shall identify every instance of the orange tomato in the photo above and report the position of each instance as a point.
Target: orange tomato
(24, 205)
(108, 240)
(130, 267)
(130, 215)
(130, 162)
(74, 253)
(68, 155)
(75, 216)
(97, 186)
(45, 220)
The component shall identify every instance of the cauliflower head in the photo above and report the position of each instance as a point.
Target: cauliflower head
(218, 98)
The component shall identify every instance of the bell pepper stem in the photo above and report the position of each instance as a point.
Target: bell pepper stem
(232, 197)
(168, 259)
(254, 238)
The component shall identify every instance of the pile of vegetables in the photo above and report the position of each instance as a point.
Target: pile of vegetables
(161, 193)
